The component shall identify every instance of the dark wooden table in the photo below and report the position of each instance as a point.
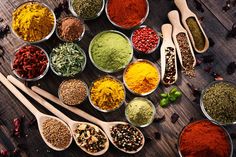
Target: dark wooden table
(216, 25)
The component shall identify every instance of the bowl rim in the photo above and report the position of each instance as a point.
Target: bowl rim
(70, 16)
(99, 78)
(214, 122)
(38, 77)
(71, 8)
(134, 62)
(46, 37)
(202, 104)
(140, 23)
(83, 67)
(150, 103)
(110, 31)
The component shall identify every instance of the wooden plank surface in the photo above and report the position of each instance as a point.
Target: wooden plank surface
(214, 23)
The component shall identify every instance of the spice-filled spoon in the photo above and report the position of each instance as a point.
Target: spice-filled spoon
(90, 138)
(46, 123)
(112, 129)
(193, 27)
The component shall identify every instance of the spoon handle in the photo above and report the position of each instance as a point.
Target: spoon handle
(39, 99)
(20, 96)
(175, 21)
(75, 110)
(183, 7)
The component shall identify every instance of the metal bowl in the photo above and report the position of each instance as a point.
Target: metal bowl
(153, 115)
(202, 104)
(75, 14)
(151, 51)
(141, 60)
(36, 78)
(45, 38)
(226, 133)
(90, 53)
(64, 40)
(141, 22)
(96, 107)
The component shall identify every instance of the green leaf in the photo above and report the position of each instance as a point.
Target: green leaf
(164, 102)
(164, 95)
(172, 98)
(178, 94)
(173, 90)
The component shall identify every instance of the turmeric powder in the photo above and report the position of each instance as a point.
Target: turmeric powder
(32, 21)
(141, 77)
(107, 93)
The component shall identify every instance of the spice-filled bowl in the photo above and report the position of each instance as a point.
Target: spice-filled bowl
(145, 39)
(140, 112)
(30, 63)
(218, 102)
(33, 22)
(110, 51)
(141, 77)
(67, 60)
(86, 9)
(70, 29)
(107, 94)
(121, 15)
(209, 138)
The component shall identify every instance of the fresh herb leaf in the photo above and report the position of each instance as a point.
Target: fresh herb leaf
(164, 102)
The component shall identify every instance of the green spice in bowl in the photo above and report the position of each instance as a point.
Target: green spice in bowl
(110, 51)
(67, 60)
(140, 112)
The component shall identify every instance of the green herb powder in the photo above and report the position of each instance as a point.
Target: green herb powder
(220, 102)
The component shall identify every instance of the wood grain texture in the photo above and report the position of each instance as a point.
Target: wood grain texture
(215, 25)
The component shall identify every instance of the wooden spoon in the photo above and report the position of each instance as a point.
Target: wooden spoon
(40, 117)
(106, 126)
(186, 13)
(72, 124)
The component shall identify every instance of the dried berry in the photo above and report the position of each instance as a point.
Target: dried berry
(217, 77)
(157, 135)
(231, 68)
(198, 62)
(196, 92)
(174, 117)
(159, 119)
(198, 6)
(4, 152)
(227, 6)
(4, 30)
(17, 127)
(148, 139)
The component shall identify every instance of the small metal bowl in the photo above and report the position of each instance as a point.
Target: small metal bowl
(64, 40)
(202, 104)
(154, 49)
(226, 133)
(141, 22)
(75, 14)
(111, 31)
(153, 115)
(141, 60)
(58, 74)
(96, 107)
(36, 78)
(45, 38)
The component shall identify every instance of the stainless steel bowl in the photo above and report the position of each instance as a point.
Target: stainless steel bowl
(202, 104)
(36, 78)
(96, 107)
(90, 53)
(141, 22)
(45, 38)
(226, 132)
(141, 60)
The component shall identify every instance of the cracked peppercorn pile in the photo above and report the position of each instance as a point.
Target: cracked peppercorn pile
(170, 69)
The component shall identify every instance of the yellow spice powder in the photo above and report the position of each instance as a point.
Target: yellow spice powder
(141, 77)
(32, 21)
(107, 93)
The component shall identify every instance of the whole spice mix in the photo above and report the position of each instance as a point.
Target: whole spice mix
(219, 101)
(68, 59)
(72, 92)
(170, 69)
(56, 133)
(87, 9)
(141, 77)
(107, 93)
(127, 137)
(30, 62)
(122, 14)
(140, 112)
(203, 138)
(70, 29)
(32, 21)
(145, 39)
(91, 138)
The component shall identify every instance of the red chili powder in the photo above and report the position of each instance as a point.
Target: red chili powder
(204, 139)
(127, 13)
